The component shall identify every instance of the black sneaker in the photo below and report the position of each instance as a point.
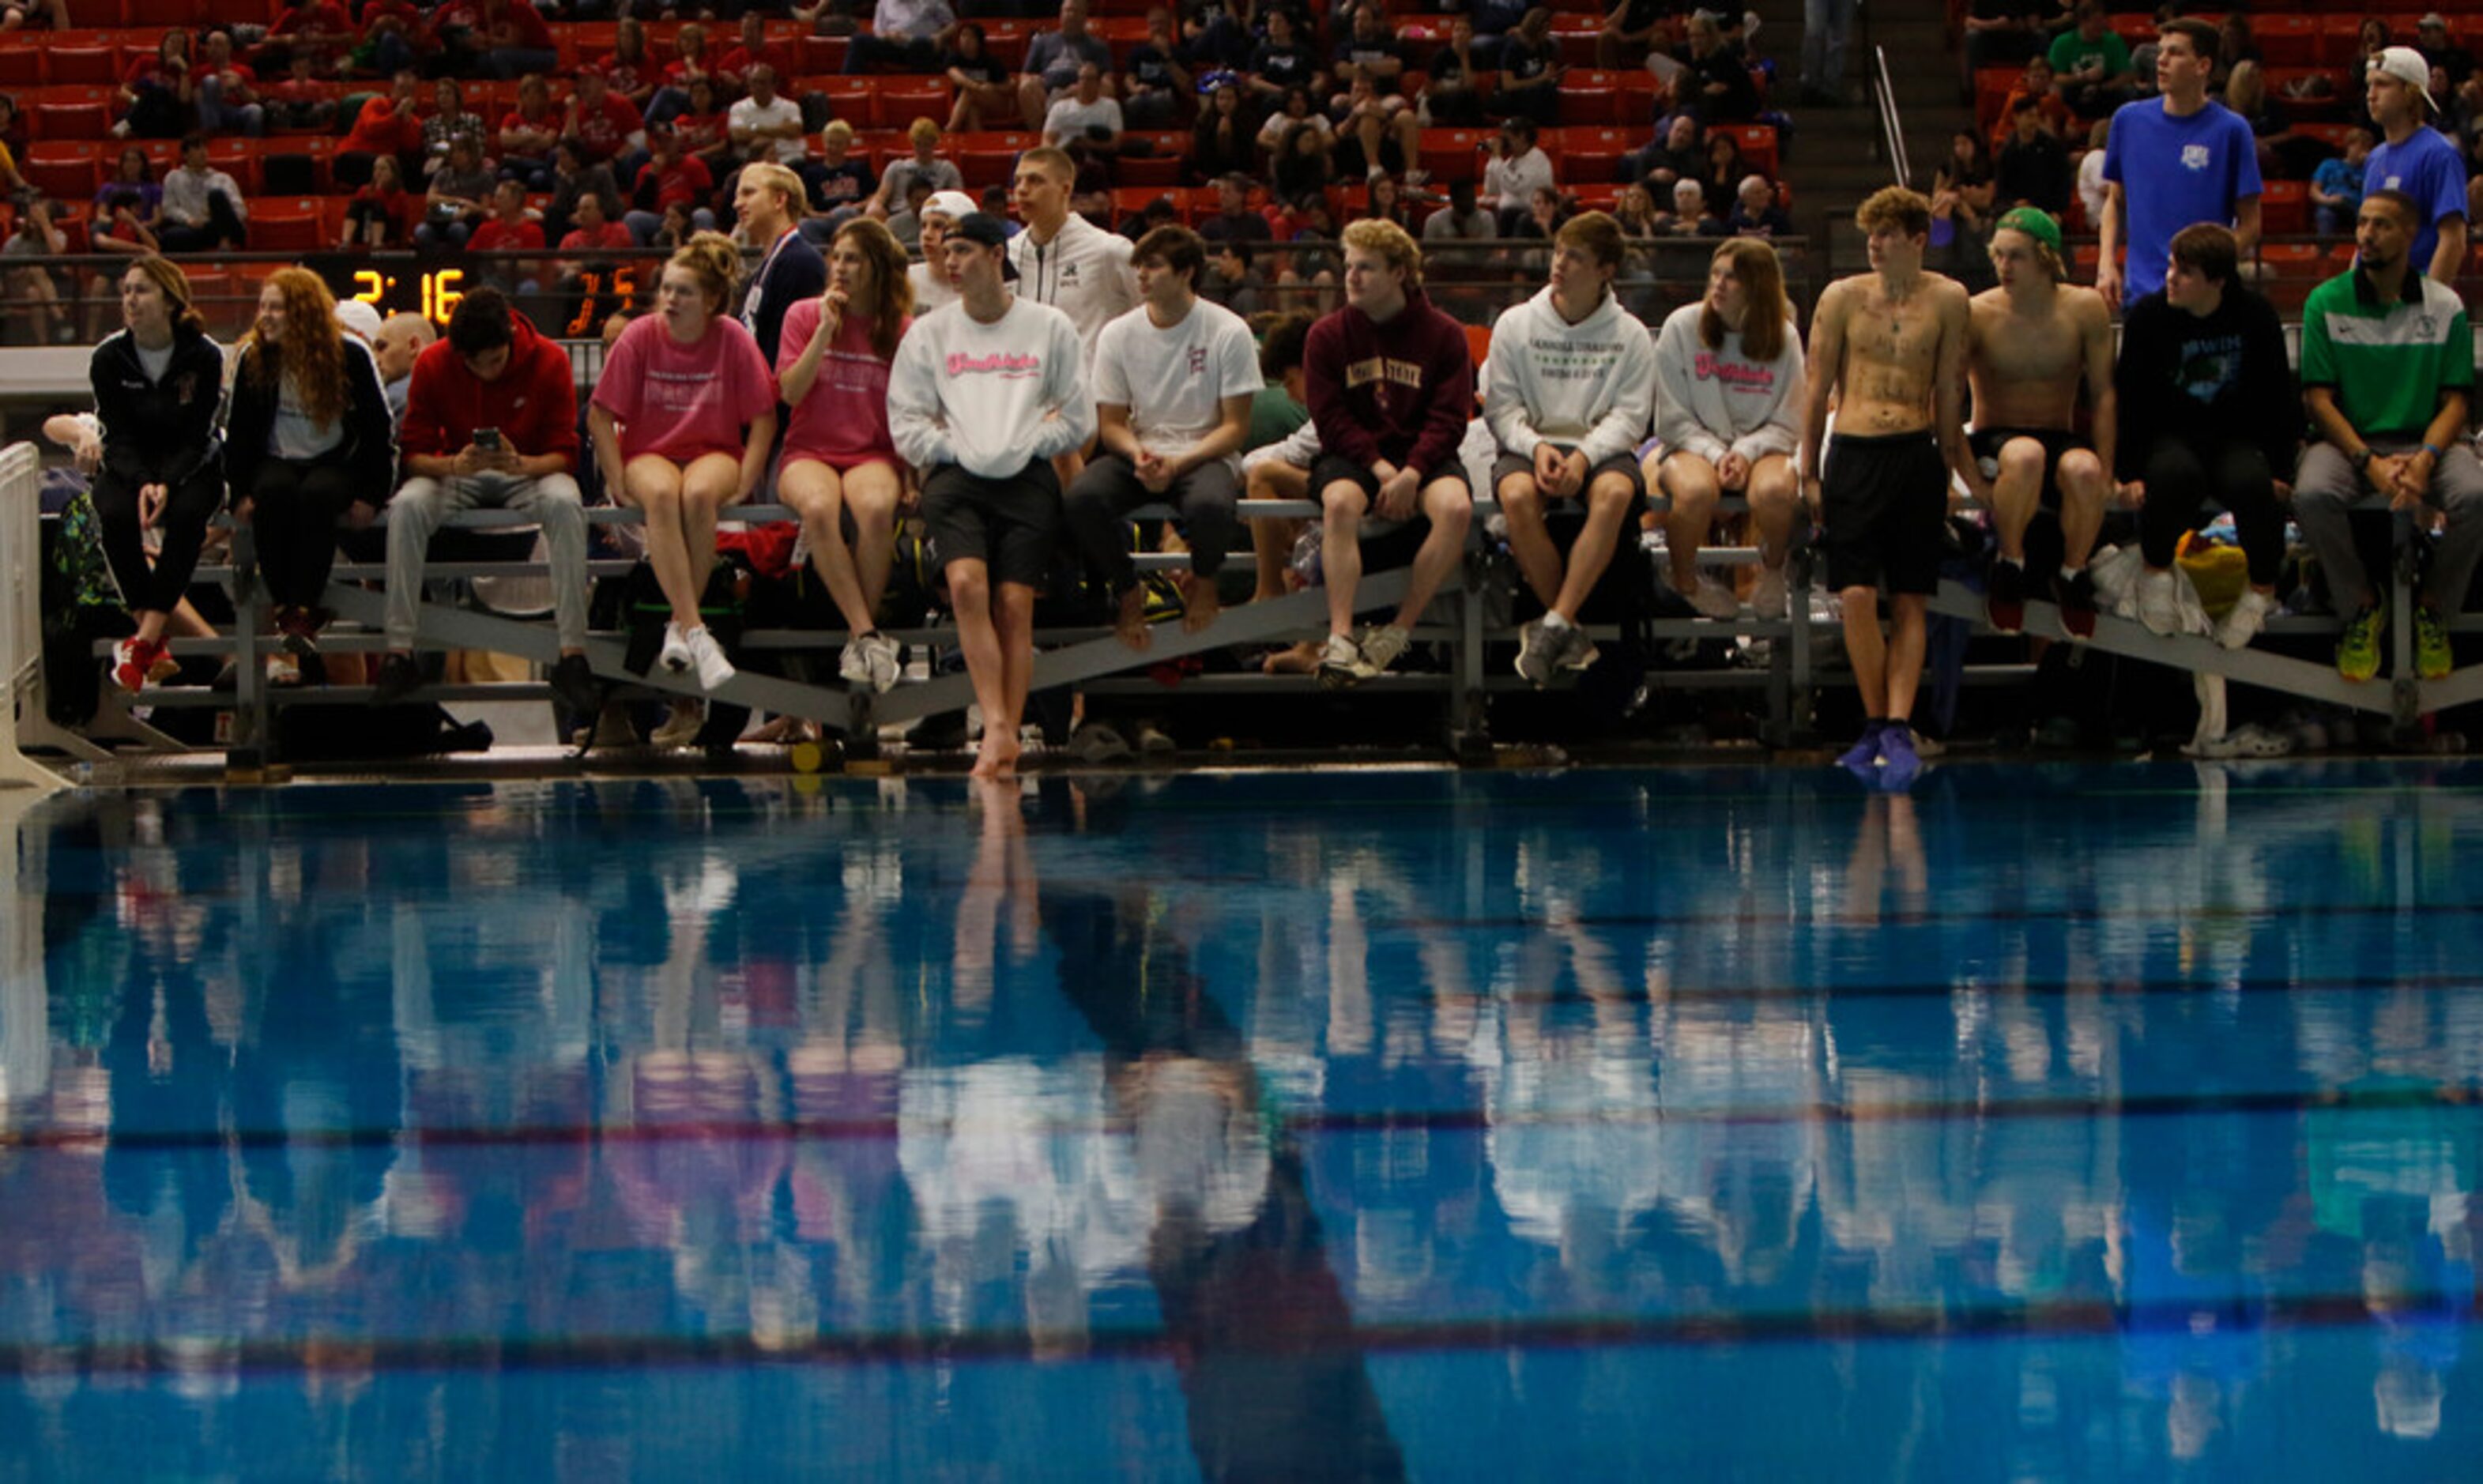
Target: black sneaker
(2005, 598)
(399, 677)
(574, 685)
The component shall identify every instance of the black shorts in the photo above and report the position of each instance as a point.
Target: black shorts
(1884, 512)
(1509, 463)
(1986, 444)
(1333, 468)
(1011, 525)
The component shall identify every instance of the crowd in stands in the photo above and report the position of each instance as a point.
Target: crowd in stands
(2046, 79)
(1084, 373)
(409, 118)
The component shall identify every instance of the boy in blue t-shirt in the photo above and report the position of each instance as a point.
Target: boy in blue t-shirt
(2337, 186)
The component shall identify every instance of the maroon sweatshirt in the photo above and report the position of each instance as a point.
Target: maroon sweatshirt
(1403, 391)
(534, 404)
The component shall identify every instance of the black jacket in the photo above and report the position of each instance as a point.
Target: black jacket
(158, 432)
(369, 448)
(2200, 380)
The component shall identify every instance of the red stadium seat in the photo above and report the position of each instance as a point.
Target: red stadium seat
(814, 56)
(855, 99)
(91, 66)
(160, 16)
(2288, 40)
(1155, 171)
(2284, 208)
(900, 106)
(65, 172)
(1590, 155)
(87, 119)
(1453, 154)
(1758, 142)
(290, 224)
(989, 159)
(21, 67)
(1589, 105)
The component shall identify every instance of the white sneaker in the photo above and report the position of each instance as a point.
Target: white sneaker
(853, 663)
(674, 656)
(886, 659)
(1768, 593)
(1340, 662)
(1380, 648)
(1712, 598)
(2244, 619)
(713, 669)
(2159, 602)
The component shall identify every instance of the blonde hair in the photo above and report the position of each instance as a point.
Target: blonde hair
(837, 132)
(1052, 162)
(922, 132)
(714, 261)
(768, 175)
(1374, 235)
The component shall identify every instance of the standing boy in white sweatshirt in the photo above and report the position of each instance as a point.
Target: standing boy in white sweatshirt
(1064, 260)
(1568, 389)
(983, 393)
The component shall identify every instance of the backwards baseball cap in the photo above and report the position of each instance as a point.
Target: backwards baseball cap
(955, 206)
(987, 231)
(2407, 66)
(358, 316)
(2035, 222)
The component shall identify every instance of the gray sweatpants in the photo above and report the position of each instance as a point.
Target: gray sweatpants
(423, 505)
(2325, 487)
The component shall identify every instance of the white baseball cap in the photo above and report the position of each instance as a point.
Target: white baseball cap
(2409, 66)
(955, 206)
(357, 315)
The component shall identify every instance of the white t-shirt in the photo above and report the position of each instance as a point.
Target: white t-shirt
(930, 290)
(293, 434)
(1070, 119)
(1174, 380)
(748, 114)
(1272, 132)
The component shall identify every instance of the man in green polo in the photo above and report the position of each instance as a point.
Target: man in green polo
(2387, 366)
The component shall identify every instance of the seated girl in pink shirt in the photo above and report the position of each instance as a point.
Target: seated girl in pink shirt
(683, 417)
(831, 360)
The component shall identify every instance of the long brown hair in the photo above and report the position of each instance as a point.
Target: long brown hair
(1763, 324)
(892, 291)
(312, 351)
(174, 286)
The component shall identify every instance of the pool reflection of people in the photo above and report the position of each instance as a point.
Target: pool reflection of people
(1270, 1362)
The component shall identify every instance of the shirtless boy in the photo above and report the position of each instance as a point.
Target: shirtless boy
(2030, 343)
(1889, 346)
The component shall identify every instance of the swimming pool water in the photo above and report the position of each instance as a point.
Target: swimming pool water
(2063, 1122)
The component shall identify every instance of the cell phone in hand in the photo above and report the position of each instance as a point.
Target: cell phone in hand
(488, 440)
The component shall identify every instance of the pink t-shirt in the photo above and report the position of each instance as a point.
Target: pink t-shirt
(843, 422)
(684, 402)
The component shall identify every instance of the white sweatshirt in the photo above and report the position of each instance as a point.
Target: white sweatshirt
(1589, 385)
(985, 396)
(1083, 272)
(1712, 403)
(1509, 184)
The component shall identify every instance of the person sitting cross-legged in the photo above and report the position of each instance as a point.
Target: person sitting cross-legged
(1568, 389)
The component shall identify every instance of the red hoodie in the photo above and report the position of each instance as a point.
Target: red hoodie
(1403, 391)
(534, 404)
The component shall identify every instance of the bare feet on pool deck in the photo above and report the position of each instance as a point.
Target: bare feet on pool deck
(1199, 605)
(1132, 623)
(998, 757)
(1302, 659)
